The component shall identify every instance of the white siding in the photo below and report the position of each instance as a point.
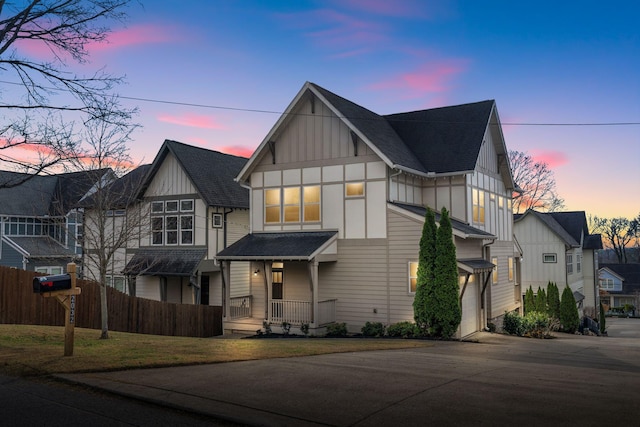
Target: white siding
(170, 180)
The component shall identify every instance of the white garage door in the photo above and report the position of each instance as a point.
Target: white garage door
(469, 323)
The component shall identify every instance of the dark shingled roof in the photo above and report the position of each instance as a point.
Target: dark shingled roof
(477, 265)
(165, 262)
(41, 247)
(455, 224)
(294, 245)
(53, 195)
(211, 172)
(630, 273)
(569, 226)
(439, 140)
(121, 192)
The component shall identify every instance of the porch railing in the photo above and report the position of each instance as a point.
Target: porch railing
(240, 307)
(299, 312)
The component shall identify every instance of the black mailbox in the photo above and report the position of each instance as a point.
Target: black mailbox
(51, 283)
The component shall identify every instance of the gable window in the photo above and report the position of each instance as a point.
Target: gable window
(606, 284)
(171, 206)
(569, 263)
(186, 205)
(157, 207)
(216, 220)
(478, 205)
(355, 189)
(292, 204)
(413, 277)
(186, 229)
(494, 273)
(172, 229)
(547, 258)
(272, 205)
(157, 230)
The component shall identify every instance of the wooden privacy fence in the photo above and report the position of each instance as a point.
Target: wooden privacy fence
(19, 305)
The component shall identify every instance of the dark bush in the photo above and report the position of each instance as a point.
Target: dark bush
(336, 330)
(373, 329)
(404, 330)
(512, 324)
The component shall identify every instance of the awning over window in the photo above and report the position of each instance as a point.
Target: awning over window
(280, 246)
(578, 296)
(165, 262)
(474, 266)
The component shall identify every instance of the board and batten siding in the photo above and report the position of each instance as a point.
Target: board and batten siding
(503, 294)
(449, 192)
(170, 180)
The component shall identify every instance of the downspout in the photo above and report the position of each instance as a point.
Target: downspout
(485, 254)
(224, 228)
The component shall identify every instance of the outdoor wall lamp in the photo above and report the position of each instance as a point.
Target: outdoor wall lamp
(256, 271)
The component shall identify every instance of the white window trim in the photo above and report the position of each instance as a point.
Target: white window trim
(166, 209)
(409, 277)
(216, 220)
(187, 200)
(354, 196)
(553, 258)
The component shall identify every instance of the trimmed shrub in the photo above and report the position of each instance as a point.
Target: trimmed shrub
(404, 330)
(541, 301)
(336, 330)
(537, 325)
(422, 301)
(569, 317)
(529, 301)
(373, 329)
(553, 300)
(512, 323)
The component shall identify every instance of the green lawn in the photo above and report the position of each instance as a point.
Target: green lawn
(39, 350)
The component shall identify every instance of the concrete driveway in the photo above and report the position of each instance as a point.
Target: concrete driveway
(623, 327)
(498, 380)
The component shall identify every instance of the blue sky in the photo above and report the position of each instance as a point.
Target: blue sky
(544, 62)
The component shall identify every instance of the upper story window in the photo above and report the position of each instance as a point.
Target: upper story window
(413, 277)
(170, 228)
(547, 258)
(292, 204)
(511, 269)
(478, 206)
(569, 263)
(606, 284)
(354, 189)
(578, 263)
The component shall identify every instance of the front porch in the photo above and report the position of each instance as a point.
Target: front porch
(280, 311)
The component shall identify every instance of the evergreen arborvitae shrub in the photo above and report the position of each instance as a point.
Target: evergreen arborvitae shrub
(553, 300)
(446, 302)
(541, 301)
(529, 301)
(569, 317)
(422, 305)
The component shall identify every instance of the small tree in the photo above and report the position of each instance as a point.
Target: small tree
(529, 301)
(422, 307)
(569, 317)
(602, 324)
(541, 301)
(446, 300)
(553, 300)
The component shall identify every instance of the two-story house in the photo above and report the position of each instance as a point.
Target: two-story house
(338, 197)
(40, 226)
(620, 286)
(557, 247)
(192, 208)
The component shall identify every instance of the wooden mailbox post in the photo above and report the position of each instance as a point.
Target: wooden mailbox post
(66, 297)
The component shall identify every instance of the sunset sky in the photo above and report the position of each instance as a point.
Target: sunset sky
(565, 75)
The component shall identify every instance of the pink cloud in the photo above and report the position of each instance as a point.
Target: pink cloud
(433, 77)
(237, 150)
(401, 8)
(552, 158)
(136, 35)
(191, 120)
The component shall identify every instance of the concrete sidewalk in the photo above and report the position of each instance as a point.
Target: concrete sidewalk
(497, 380)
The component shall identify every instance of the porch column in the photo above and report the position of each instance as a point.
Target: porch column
(268, 284)
(313, 282)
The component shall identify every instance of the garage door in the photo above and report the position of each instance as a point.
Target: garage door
(469, 323)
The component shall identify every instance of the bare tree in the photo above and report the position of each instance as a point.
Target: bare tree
(537, 183)
(43, 99)
(618, 234)
(113, 215)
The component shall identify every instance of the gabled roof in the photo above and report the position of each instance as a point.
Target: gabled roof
(460, 228)
(290, 245)
(440, 141)
(571, 227)
(121, 192)
(38, 247)
(630, 273)
(212, 173)
(52, 195)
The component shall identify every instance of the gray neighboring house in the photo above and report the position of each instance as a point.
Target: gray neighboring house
(40, 225)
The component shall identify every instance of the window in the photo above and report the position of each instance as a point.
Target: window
(494, 274)
(292, 204)
(186, 229)
(413, 277)
(272, 205)
(355, 189)
(157, 207)
(277, 273)
(578, 263)
(606, 284)
(216, 220)
(511, 267)
(311, 200)
(171, 206)
(478, 206)
(117, 282)
(546, 258)
(171, 230)
(157, 226)
(186, 205)
(49, 270)
(569, 263)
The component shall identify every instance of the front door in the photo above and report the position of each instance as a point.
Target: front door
(277, 291)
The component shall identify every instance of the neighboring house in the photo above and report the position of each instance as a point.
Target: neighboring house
(338, 196)
(557, 247)
(192, 208)
(40, 227)
(619, 285)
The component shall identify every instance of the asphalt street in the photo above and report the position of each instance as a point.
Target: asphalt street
(496, 380)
